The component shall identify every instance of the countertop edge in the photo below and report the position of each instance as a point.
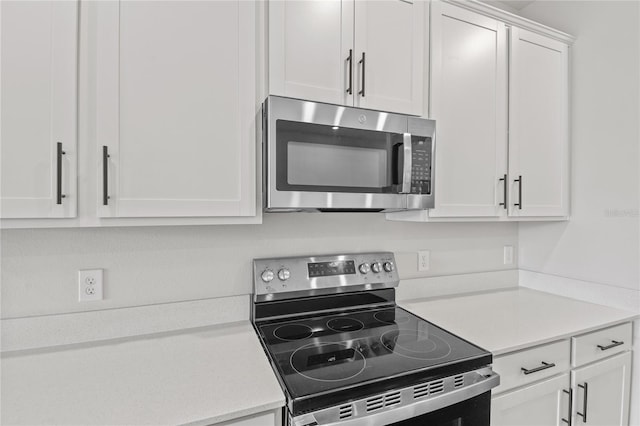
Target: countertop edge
(237, 414)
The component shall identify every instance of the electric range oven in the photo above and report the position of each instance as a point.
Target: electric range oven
(346, 354)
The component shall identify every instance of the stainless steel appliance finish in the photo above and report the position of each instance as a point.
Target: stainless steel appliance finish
(402, 404)
(322, 157)
(287, 278)
(346, 354)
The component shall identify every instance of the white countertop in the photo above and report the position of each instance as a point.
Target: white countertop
(508, 320)
(201, 376)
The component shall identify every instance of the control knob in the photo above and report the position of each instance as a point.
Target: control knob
(389, 266)
(284, 274)
(376, 267)
(364, 268)
(267, 275)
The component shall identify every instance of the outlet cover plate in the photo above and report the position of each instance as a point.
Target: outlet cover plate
(90, 285)
(424, 260)
(508, 255)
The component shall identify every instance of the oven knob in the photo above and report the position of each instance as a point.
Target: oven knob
(284, 274)
(389, 267)
(267, 275)
(376, 267)
(364, 268)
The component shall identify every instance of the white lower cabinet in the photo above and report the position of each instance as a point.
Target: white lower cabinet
(544, 403)
(539, 388)
(601, 392)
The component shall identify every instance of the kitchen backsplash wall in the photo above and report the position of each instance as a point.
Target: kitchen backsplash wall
(148, 265)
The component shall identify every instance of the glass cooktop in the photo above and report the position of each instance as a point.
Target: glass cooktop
(330, 352)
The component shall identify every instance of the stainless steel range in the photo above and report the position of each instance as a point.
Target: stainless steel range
(346, 354)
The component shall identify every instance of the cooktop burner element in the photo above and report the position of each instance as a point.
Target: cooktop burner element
(390, 316)
(415, 344)
(293, 332)
(345, 324)
(328, 362)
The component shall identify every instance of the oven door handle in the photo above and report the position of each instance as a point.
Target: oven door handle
(407, 163)
(418, 408)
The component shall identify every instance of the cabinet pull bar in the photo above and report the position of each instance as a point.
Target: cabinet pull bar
(105, 175)
(544, 366)
(362, 61)
(585, 399)
(519, 203)
(570, 393)
(613, 344)
(59, 154)
(350, 60)
(504, 195)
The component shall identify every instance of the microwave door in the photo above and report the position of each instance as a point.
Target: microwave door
(332, 168)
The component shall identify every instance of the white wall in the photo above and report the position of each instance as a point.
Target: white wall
(596, 255)
(147, 265)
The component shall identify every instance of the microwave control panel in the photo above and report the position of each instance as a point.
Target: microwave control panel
(421, 165)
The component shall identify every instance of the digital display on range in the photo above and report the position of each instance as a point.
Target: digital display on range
(326, 269)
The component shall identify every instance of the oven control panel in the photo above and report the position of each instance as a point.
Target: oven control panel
(283, 278)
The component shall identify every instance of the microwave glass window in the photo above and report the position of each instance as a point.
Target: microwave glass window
(320, 158)
(316, 164)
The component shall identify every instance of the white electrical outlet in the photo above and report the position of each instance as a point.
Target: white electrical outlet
(89, 285)
(508, 255)
(424, 261)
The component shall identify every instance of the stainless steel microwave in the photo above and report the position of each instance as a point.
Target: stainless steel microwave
(321, 157)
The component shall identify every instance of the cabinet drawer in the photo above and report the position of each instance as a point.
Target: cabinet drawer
(530, 365)
(600, 344)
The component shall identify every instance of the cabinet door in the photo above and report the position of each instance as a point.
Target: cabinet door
(538, 126)
(389, 48)
(543, 404)
(469, 104)
(177, 108)
(309, 46)
(601, 392)
(38, 91)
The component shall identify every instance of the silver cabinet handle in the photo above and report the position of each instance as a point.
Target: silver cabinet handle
(613, 344)
(362, 61)
(570, 393)
(585, 399)
(105, 175)
(59, 154)
(350, 60)
(519, 203)
(504, 195)
(544, 366)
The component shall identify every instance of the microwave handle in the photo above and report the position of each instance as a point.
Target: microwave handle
(406, 170)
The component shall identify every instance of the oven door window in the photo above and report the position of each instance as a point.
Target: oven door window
(319, 158)
(475, 411)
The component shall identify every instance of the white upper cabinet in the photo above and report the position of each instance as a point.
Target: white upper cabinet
(176, 109)
(469, 104)
(538, 125)
(389, 55)
(309, 47)
(368, 54)
(39, 103)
